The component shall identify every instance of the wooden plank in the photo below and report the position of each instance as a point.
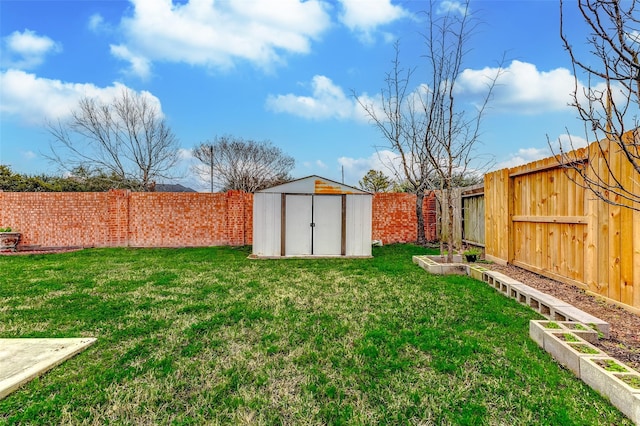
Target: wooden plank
(566, 249)
(591, 239)
(636, 252)
(543, 261)
(602, 281)
(489, 215)
(626, 235)
(614, 229)
(552, 219)
(538, 166)
(554, 255)
(509, 203)
(626, 256)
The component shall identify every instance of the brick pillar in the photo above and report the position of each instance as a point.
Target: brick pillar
(236, 218)
(429, 209)
(118, 218)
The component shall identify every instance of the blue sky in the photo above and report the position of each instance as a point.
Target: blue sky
(279, 70)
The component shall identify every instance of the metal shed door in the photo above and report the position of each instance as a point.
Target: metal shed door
(327, 232)
(313, 225)
(298, 230)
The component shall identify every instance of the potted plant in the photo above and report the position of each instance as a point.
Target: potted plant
(472, 254)
(8, 239)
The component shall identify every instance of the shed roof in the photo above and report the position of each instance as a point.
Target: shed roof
(314, 185)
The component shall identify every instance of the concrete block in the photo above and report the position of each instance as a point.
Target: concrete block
(581, 330)
(543, 303)
(568, 353)
(520, 292)
(501, 277)
(433, 267)
(571, 313)
(610, 385)
(477, 272)
(538, 328)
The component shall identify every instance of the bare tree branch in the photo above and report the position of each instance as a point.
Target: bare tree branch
(126, 138)
(609, 105)
(237, 164)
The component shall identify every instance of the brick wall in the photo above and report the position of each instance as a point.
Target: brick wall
(56, 219)
(121, 218)
(395, 221)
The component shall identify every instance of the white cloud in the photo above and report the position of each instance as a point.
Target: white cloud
(327, 101)
(219, 34)
(448, 6)
(98, 25)
(522, 88)
(528, 155)
(139, 65)
(56, 99)
(568, 143)
(523, 156)
(318, 164)
(29, 155)
(96, 22)
(364, 17)
(356, 168)
(26, 50)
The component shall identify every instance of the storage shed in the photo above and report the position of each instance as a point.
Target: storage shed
(312, 216)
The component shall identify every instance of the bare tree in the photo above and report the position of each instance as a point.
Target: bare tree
(452, 127)
(397, 117)
(608, 105)
(127, 138)
(237, 164)
(433, 133)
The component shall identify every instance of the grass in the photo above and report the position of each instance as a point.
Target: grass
(206, 336)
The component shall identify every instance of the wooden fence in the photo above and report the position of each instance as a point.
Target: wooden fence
(468, 215)
(472, 201)
(537, 218)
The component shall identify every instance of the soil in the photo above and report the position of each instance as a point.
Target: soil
(38, 251)
(624, 340)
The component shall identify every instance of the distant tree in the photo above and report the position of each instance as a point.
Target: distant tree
(460, 180)
(232, 163)
(376, 181)
(127, 139)
(80, 180)
(610, 102)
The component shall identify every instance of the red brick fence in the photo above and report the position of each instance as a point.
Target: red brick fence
(121, 218)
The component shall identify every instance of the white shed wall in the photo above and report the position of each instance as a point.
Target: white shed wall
(266, 223)
(358, 238)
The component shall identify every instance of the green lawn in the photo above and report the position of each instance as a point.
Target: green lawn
(207, 336)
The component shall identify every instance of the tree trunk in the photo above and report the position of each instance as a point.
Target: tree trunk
(450, 226)
(422, 239)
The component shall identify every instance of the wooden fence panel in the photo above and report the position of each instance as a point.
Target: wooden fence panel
(473, 219)
(472, 204)
(496, 219)
(538, 218)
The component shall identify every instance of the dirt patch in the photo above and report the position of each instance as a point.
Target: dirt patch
(624, 341)
(47, 250)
